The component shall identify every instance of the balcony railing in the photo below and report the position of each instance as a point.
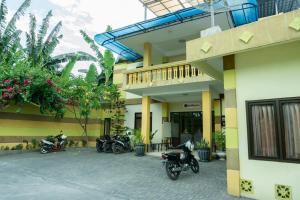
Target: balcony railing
(170, 73)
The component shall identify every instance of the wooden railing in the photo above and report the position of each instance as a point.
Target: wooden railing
(160, 73)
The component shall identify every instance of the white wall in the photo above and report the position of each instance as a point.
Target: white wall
(156, 110)
(272, 72)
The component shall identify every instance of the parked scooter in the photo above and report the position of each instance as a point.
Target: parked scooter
(52, 144)
(104, 144)
(176, 162)
(122, 144)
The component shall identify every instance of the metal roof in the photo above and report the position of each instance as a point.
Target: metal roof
(162, 7)
(247, 12)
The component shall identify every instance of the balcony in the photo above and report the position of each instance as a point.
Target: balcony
(168, 79)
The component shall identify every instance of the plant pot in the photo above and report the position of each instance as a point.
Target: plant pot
(221, 154)
(204, 155)
(140, 150)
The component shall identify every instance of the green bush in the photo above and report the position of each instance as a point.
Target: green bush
(202, 144)
(6, 148)
(19, 147)
(2, 148)
(34, 143)
(84, 143)
(71, 143)
(76, 144)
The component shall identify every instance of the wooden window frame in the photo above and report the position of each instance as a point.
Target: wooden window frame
(279, 126)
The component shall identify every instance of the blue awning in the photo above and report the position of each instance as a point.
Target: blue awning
(245, 13)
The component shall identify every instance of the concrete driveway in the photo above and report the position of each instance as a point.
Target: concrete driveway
(86, 174)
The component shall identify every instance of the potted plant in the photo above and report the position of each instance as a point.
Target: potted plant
(203, 150)
(139, 145)
(220, 145)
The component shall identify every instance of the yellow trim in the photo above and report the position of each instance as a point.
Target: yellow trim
(146, 100)
(232, 139)
(207, 116)
(229, 79)
(231, 117)
(165, 109)
(233, 182)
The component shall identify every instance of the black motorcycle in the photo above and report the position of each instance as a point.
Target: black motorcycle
(176, 162)
(53, 144)
(105, 143)
(121, 144)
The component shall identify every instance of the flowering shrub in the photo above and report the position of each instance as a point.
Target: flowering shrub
(33, 85)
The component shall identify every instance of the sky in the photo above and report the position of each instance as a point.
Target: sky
(92, 16)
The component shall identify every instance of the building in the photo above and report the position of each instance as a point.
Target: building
(248, 73)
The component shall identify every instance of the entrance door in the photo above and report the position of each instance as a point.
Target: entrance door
(185, 126)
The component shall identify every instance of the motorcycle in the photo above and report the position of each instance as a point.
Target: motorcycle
(105, 143)
(53, 144)
(122, 144)
(176, 162)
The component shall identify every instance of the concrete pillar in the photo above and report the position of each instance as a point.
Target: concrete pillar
(146, 101)
(147, 54)
(217, 112)
(232, 140)
(207, 117)
(165, 112)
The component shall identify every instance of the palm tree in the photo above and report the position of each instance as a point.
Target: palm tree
(106, 62)
(9, 35)
(39, 48)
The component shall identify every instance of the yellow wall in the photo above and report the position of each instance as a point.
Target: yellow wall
(30, 124)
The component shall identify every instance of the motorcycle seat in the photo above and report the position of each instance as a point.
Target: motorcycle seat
(47, 142)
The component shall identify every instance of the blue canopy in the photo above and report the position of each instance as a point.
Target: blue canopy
(243, 14)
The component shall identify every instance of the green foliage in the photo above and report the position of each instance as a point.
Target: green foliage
(76, 144)
(66, 72)
(2, 148)
(91, 76)
(71, 143)
(9, 35)
(118, 117)
(202, 144)
(84, 143)
(137, 138)
(24, 83)
(34, 143)
(6, 148)
(19, 147)
(220, 140)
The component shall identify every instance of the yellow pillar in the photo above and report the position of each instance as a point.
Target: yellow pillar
(207, 117)
(232, 139)
(165, 112)
(217, 112)
(147, 54)
(146, 100)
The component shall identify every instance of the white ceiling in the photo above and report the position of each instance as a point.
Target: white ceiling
(170, 41)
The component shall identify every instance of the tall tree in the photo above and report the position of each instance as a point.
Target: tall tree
(9, 35)
(40, 47)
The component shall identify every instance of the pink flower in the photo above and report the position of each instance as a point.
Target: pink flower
(26, 82)
(7, 81)
(10, 89)
(50, 82)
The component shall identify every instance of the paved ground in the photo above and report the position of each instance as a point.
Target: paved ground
(85, 174)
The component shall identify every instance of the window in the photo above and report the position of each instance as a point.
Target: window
(274, 129)
(138, 121)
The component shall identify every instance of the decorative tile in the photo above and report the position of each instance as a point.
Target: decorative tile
(246, 37)
(283, 192)
(247, 186)
(295, 24)
(206, 47)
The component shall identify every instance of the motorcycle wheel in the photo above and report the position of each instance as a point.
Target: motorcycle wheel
(106, 148)
(99, 147)
(194, 165)
(170, 170)
(117, 149)
(43, 151)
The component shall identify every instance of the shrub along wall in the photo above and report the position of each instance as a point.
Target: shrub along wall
(31, 124)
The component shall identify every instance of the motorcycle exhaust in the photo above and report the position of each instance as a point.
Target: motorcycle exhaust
(177, 169)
